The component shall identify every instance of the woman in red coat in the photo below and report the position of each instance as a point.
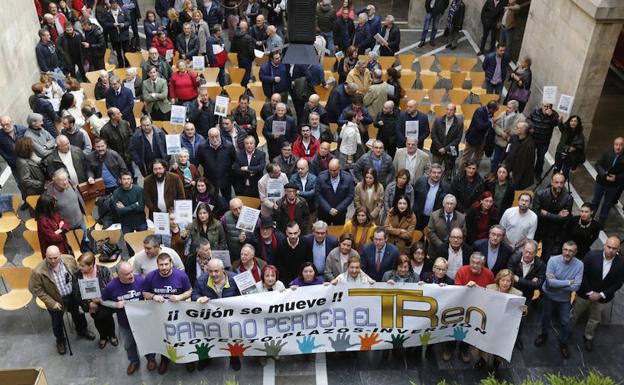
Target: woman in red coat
(51, 227)
(183, 85)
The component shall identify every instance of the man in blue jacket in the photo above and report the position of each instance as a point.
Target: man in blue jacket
(412, 114)
(495, 66)
(122, 98)
(147, 145)
(363, 38)
(275, 76)
(306, 181)
(334, 193)
(339, 99)
(480, 125)
(379, 256)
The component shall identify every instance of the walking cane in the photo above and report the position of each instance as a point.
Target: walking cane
(67, 338)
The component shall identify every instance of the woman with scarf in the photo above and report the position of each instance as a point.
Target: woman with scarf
(571, 148)
(204, 192)
(186, 171)
(480, 217)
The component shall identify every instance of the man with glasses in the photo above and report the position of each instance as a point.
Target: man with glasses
(496, 251)
(378, 160)
(379, 256)
(52, 281)
(321, 244)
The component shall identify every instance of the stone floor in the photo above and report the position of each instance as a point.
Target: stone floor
(26, 339)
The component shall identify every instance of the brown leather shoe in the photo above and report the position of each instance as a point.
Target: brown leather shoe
(60, 348)
(132, 367)
(151, 365)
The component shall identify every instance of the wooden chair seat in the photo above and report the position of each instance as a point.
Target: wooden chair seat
(335, 231)
(18, 295)
(234, 91)
(446, 65)
(428, 81)
(252, 202)
(40, 304)
(236, 74)
(135, 239)
(407, 61)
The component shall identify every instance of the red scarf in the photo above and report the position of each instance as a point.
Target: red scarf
(254, 270)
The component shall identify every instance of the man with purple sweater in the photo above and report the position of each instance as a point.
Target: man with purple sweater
(126, 288)
(167, 284)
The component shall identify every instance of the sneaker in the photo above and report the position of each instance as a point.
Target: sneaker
(539, 341)
(60, 348)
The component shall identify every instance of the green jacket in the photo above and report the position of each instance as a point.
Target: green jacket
(215, 235)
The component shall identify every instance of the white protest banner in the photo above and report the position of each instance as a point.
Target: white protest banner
(178, 114)
(183, 210)
(278, 128)
(199, 62)
(161, 224)
(275, 188)
(411, 129)
(245, 282)
(565, 104)
(221, 105)
(247, 219)
(316, 319)
(89, 288)
(549, 95)
(223, 255)
(217, 48)
(173, 144)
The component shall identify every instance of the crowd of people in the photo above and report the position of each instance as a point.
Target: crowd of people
(386, 191)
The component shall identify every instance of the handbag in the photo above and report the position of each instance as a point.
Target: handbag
(220, 59)
(92, 191)
(520, 94)
(108, 251)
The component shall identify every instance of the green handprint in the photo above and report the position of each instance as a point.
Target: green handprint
(459, 333)
(172, 352)
(341, 343)
(202, 351)
(273, 348)
(397, 340)
(425, 338)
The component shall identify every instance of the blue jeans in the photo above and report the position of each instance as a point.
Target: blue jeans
(610, 195)
(433, 20)
(540, 153)
(130, 346)
(497, 157)
(563, 313)
(329, 38)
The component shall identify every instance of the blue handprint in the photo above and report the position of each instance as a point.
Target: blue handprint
(459, 333)
(306, 345)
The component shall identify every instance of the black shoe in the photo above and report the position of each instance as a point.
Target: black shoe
(190, 367)
(453, 47)
(235, 363)
(589, 344)
(201, 364)
(480, 364)
(449, 45)
(432, 43)
(24, 206)
(164, 365)
(60, 348)
(421, 44)
(539, 341)
(479, 53)
(519, 344)
(132, 367)
(87, 335)
(564, 351)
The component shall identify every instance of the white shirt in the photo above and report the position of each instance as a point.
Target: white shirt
(335, 182)
(67, 160)
(455, 261)
(304, 180)
(160, 188)
(526, 267)
(606, 266)
(518, 226)
(410, 164)
(350, 136)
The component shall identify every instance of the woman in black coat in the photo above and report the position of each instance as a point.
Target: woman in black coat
(571, 148)
(501, 187)
(30, 177)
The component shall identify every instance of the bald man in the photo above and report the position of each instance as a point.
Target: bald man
(235, 238)
(52, 281)
(69, 157)
(412, 122)
(217, 158)
(334, 193)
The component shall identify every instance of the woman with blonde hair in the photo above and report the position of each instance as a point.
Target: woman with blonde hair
(360, 227)
(354, 273)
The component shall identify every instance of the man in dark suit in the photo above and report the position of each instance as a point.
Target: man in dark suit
(610, 178)
(217, 159)
(603, 275)
(442, 221)
(379, 256)
(291, 254)
(122, 98)
(446, 134)
(116, 23)
(335, 193)
(480, 126)
(496, 251)
(321, 243)
(455, 251)
(147, 145)
(392, 35)
(491, 13)
(428, 195)
(248, 168)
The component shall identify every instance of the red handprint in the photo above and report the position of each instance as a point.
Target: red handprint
(237, 349)
(367, 341)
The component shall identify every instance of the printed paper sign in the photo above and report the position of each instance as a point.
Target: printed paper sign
(89, 288)
(248, 219)
(173, 144)
(178, 114)
(550, 95)
(275, 189)
(161, 224)
(411, 129)
(169, 55)
(246, 282)
(183, 211)
(130, 85)
(565, 104)
(278, 128)
(223, 255)
(221, 106)
(199, 62)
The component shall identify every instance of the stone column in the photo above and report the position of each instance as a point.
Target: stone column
(571, 43)
(18, 67)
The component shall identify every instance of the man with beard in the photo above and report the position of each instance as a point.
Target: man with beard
(386, 122)
(201, 113)
(167, 284)
(520, 222)
(553, 206)
(129, 205)
(117, 133)
(161, 189)
(106, 164)
(147, 145)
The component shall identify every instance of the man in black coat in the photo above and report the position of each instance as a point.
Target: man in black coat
(117, 133)
(446, 133)
(292, 253)
(117, 25)
(422, 188)
(243, 45)
(69, 46)
(248, 168)
(603, 275)
(187, 43)
(343, 31)
(339, 99)
(93, 45)
(491, 13)
(217, 158)
(496, 251)
(435, 9)
(392, 35)
(610, 178)
(201, 113)
(553, 206)
(543, 121)
(299, 206)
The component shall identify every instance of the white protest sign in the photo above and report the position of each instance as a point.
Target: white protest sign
(161, 224)
(221, 106)
(183, 211)
(173, 144)
(550, 95)
(275, 188)
(565, 104)
(248, 219)
(178, 114)
(89, 288)
(411, 129)
(199, 62)
(245, 282)
(278, 127)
